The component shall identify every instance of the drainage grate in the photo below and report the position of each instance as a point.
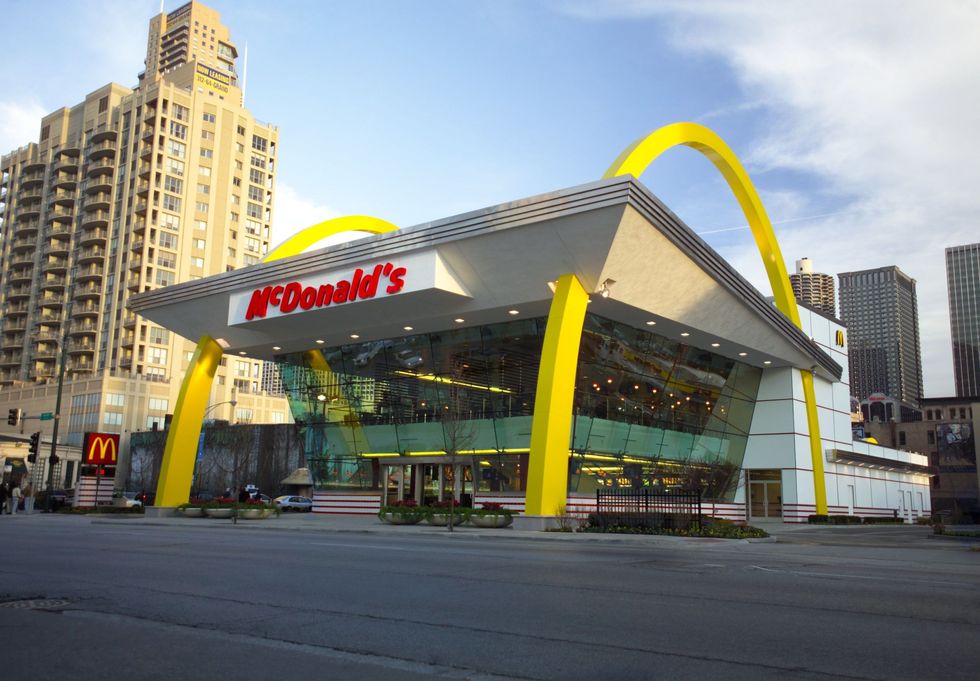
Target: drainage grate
(36, 603)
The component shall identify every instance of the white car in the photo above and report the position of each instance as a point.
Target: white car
(291, 503)
(131, 501)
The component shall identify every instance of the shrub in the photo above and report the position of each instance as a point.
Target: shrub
(818, 518)
(882, 520)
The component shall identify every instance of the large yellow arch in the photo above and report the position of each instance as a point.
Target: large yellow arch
(177, 469)
(639, 155)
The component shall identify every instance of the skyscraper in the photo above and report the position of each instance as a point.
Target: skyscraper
(963, 281)
(880, 311)
(813, 289)
(130, 190)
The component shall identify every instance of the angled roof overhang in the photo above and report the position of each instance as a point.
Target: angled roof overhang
(480, 266)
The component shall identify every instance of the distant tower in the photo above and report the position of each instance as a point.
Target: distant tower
(812, 288)
(880, 309)
(963, 282)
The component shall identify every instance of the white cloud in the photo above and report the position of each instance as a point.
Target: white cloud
(20, 123)
(294, 213)
(877, 102)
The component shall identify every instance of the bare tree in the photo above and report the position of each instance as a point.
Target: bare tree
(458, 429)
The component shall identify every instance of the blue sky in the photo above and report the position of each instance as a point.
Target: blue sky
(857, 121)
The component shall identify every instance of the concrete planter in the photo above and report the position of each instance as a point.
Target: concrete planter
(401, 519)
(502, 520)
(252, 513)
(192, 512)
(443, 519)
(219, 512)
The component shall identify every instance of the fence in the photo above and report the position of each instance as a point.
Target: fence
(648, 508)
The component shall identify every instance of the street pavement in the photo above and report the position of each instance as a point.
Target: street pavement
(344, 597)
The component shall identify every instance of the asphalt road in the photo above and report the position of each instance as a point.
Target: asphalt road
(143, 602)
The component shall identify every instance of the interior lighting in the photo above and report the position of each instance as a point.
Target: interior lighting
(449, 381)
(242, 352)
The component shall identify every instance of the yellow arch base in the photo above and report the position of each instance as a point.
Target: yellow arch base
(179, 456)
(639, 155)
(547, 478)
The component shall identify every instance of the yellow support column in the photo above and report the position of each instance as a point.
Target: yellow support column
(547, 478)
(179, 456)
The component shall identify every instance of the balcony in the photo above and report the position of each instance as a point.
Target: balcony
(64, 180)
(60, 214)
(10, 359)
(128, 340)
(68, 152)
(57, 247)
(51, 336)
(149, 115)
(146, 151)
(88, 309)
(90, 273)
(20, 276)
(145, 170)
(139, 227)
(92, 237)
(17, 259)
(58, 229)
(129, 320)
(13, 326)
(31, 180)
(62, 197)
(19, 293)
(103, 135)
(51, 301)
(90, 255)
(31, 196)
(23, 245)
(53, 282)
(88, 292)
(25, 227)
(104, 150)
(11, 341)
(99, 218)
(29, 213)
(147, 135)
(48, 353)
(137, 246)
(141, 208)
(55, 265)
(133, 284)
(135, 262)
(103, 167)
(36, 166)
(18, 310)
(83, 329)
(83, 365)
(78, 347)
(101, 184)
(67, 164)
(98, 201)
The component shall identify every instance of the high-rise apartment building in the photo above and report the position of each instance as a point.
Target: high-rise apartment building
(880, 311)
(963, 281)
(813, 288)
(127, 191)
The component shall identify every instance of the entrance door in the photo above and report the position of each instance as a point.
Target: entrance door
(765, 494)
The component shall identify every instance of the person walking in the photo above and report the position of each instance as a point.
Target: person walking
(4, 493)
(14, 501)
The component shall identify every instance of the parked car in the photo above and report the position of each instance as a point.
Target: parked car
(132, 500)
(291, 503)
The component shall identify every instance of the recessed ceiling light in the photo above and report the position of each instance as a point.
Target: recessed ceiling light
(767, 362)
(276, 347)
(408, 328)
(320, 342)
(742, 354)
(685, 334)
(459, 320)
(715, 345)
(354, 336)
(242, 352)
(513, 312)
(651, 323)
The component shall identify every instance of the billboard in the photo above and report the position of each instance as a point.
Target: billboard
(955, 444)
(213, 79)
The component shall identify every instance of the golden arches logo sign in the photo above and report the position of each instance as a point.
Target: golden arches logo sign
(839, 338)
(101, 449)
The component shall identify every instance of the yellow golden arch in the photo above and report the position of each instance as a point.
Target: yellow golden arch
(551, 424)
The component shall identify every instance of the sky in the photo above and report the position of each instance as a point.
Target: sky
(856, 121)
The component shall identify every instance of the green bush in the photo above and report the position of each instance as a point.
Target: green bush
(882, 520)
(818, 518)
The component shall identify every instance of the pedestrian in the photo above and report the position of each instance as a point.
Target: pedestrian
(4, 493)
(243, 495)
(14, 499)
(28, 493)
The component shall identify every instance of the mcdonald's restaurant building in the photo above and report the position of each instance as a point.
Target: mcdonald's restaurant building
(537, 351)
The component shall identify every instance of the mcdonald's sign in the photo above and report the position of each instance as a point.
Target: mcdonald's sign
(839, 338)
(101, 449)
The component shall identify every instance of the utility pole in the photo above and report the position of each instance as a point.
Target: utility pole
(53, 459)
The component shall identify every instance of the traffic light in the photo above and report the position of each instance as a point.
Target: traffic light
(34, 447)
(13, 417)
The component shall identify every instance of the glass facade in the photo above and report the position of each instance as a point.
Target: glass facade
(648, 411)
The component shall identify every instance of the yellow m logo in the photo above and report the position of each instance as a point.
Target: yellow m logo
(101, 448)
(839, 338)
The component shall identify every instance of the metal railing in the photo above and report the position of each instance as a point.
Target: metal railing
(648, 508)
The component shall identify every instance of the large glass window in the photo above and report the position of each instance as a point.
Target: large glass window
(648, 411)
